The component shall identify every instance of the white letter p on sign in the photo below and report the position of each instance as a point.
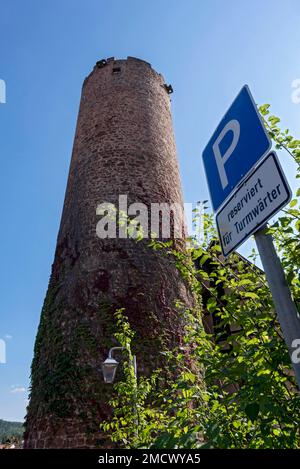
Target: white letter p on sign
(234, 127)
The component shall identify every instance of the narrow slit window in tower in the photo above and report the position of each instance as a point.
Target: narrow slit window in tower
(116, 70)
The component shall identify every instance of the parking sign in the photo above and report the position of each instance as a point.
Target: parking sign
(237, 144)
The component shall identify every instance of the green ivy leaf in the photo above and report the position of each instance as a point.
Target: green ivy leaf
(293, 203)
(273, 120)
(211, 305)
(252, 295)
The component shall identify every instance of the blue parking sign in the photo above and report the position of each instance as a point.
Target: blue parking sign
(236, 146)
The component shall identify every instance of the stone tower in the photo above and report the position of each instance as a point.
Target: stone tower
(124, 144)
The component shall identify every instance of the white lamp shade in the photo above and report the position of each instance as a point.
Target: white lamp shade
(109, 368)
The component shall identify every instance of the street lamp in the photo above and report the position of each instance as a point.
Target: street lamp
(109, 366)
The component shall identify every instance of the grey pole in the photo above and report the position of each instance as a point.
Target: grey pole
(135, 397)
(286, 309)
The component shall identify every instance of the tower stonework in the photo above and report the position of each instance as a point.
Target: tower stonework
(124, 145)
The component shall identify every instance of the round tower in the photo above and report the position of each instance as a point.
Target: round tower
(124, 146)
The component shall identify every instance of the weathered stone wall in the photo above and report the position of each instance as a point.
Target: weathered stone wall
(124, 144)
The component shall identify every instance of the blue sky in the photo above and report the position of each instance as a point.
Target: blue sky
(206, 49)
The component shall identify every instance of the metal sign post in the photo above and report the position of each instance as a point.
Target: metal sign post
(285, 307)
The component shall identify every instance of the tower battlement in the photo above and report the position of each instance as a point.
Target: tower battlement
(113, 63)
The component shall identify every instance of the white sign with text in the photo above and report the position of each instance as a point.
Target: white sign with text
(262, 194)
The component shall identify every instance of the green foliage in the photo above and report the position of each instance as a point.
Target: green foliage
(233, 387)
(10, 431)
(129, 395)
(61, 384)
(286, 230)
(153, 411)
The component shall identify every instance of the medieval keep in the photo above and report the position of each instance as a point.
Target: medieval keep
(124, 145)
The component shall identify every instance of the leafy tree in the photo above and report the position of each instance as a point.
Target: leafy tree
(9, 431)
